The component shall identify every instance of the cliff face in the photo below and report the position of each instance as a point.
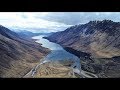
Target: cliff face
(97, 43)
(18, 55)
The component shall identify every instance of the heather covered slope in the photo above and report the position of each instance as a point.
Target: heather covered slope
(97, 43)
(17, 55)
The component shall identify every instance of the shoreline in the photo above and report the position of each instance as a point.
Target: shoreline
(30, 73)
(81, 73)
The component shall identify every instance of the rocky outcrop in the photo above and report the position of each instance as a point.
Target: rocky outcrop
(97, 43)
(18, 55)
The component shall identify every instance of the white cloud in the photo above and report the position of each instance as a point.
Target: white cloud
(51, 21)
(28, 20)
(73, 18)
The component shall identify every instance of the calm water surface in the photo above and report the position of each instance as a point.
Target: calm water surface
(57, 52)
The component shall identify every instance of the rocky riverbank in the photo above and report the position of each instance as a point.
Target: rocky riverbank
(102, 67)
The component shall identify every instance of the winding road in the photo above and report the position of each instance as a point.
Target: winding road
(33, 71)
(81, 73)
(58, 53)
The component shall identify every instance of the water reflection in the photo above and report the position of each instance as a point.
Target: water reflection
(57, 52)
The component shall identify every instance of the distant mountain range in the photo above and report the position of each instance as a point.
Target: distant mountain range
(17, 54)
(97, 43)
(27, 34)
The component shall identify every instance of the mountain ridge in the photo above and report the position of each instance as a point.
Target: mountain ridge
(96, 43)
(18, 55)
(94, 33)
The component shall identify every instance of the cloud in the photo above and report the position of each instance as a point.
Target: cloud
(51, 21)
(73, 18)
(28, 21)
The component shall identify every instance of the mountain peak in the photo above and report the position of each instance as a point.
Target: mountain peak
(102, 34)
(98, 21)
(96, 43)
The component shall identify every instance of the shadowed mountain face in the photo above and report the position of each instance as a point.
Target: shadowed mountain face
(97, 43)
(18, 55)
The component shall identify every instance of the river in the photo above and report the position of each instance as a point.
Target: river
(60, 54)
(57, 52)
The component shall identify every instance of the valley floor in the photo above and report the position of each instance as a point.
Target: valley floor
(50, 70)
(56, 70)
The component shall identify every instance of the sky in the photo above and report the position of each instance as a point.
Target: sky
(51, 21)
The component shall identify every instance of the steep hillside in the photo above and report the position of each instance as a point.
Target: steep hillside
(18, 55)
(97, 43)
(99, 38)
